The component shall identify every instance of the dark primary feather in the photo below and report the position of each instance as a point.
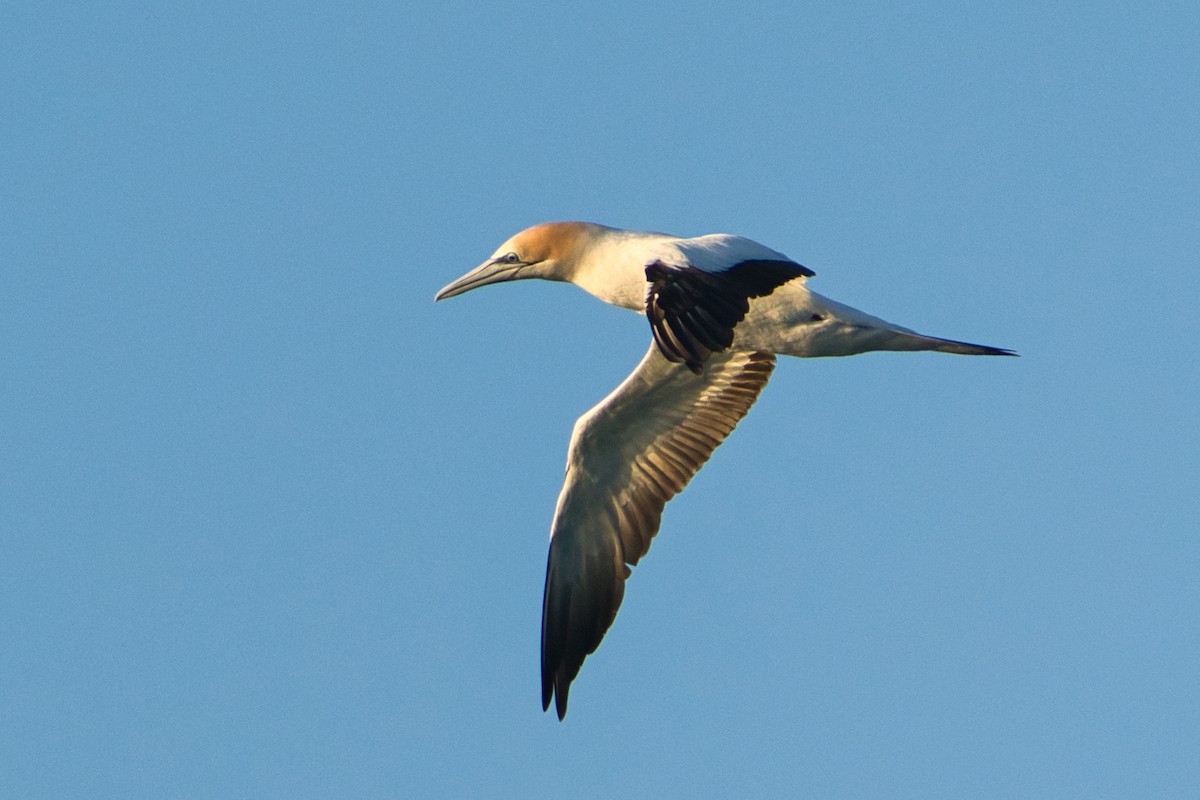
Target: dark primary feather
(693, 312)
(628, 456)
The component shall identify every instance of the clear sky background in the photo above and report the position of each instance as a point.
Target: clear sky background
(274, 524)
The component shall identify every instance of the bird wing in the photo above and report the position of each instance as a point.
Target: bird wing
(628, 456)
(693, 305)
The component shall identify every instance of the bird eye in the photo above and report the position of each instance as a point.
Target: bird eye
(511, 258)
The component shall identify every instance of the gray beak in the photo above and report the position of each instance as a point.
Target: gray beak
(485, 273)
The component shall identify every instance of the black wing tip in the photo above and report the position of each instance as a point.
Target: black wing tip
(559, 693)
(761, 276)
(560, 702)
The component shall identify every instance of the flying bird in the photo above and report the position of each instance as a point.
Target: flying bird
(720, 309)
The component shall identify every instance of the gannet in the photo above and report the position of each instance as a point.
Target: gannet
(720, 309)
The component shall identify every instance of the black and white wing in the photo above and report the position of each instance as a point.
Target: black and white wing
(695, 303)
(628, 456)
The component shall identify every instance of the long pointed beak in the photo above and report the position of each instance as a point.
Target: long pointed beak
(485, 273)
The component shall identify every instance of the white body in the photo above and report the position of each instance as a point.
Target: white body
(784, 322)
(720, 308)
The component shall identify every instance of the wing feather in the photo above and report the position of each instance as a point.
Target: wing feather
(628, 456)
(693, 310)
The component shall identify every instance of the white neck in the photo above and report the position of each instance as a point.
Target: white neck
(613, 266)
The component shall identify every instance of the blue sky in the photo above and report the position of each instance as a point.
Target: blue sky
(274, 524)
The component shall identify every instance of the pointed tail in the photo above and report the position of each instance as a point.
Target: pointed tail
(952, 346)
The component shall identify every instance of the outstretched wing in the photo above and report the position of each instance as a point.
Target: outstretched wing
(628, 456)
(694, 305)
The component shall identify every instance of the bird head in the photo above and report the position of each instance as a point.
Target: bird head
(550, 251)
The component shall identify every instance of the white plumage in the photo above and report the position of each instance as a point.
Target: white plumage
(720, 308)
